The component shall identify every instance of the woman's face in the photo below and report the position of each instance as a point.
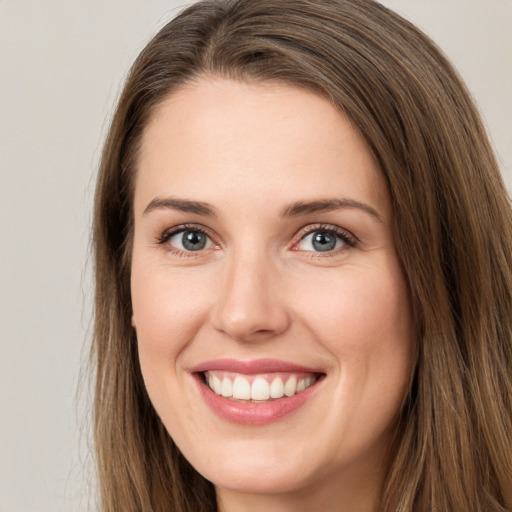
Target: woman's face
(264, 267)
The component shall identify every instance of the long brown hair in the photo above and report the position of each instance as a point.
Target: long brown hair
(453, 229)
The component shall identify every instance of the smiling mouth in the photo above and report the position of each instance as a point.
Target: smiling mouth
(256, 388)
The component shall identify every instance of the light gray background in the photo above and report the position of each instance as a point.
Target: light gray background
(62, 63)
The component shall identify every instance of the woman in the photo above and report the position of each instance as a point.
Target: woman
(303, 271)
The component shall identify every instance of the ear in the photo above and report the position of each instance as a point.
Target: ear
(133, 321)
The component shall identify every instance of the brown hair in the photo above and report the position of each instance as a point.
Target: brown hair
(453, 229)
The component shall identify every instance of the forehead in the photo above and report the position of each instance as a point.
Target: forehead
(223, 136)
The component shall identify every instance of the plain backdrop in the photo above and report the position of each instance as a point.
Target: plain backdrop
(62, 63)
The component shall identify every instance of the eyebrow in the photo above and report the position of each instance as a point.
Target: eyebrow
(183, 205)
(327, 205)
(294, 210)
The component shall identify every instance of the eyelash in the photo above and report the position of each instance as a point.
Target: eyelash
(167, 235)
(350, 240)
(347, 238)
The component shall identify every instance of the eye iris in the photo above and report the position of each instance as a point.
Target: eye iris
(193, 240)
(323, 241)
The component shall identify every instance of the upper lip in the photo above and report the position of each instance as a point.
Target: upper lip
(252, 367)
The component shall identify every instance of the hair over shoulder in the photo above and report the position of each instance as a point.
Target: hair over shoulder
(452, 226)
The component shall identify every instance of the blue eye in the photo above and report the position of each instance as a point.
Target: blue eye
(189, 240)
(323, 240)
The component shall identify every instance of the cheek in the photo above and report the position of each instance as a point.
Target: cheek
(367, 325)
(359, 311)
(364, 320)
(167, 313)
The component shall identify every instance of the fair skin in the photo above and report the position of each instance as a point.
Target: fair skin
(263, 250)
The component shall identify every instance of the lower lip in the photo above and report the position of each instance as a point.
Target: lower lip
(252, 413)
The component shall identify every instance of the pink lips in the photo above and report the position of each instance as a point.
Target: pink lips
(247, 412)
(252, 367)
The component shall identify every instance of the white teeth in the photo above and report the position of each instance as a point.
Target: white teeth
(277, 388)
(241, 389)
(290, 388)
(216, 385)
(227, 387)
(260, 389)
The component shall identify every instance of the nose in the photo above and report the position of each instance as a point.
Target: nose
(251, 305)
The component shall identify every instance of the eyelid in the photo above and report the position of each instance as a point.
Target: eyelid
(170, 232)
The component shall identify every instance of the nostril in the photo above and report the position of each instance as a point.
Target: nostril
(253, 324)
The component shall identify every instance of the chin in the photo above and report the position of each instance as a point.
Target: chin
(259, 478)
